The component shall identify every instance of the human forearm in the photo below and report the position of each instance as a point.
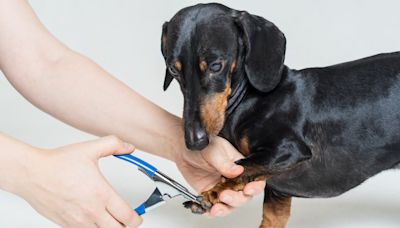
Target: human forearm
(78, 92)
(74, 89)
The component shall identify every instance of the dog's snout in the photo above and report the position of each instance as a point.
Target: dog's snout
(196, 137)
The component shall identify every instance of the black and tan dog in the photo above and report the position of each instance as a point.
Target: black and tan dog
(314, 132)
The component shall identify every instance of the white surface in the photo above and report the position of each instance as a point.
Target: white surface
(123, 36)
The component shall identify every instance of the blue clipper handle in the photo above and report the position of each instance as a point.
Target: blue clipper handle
(141, 209)
(149, 169)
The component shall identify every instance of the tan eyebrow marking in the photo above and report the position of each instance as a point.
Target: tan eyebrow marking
(203, 66)
(178, 65)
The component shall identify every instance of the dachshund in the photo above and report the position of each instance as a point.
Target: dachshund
(315, 132)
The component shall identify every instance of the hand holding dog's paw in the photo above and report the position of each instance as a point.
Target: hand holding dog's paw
(203, 171)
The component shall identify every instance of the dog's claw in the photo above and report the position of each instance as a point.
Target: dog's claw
(206, 205)
(194, 207)
(198, 208)
(200, 198)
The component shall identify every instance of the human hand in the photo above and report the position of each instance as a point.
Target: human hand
(66, 186)
(204, 169)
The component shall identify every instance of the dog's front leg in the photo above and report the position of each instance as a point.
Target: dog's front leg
(211, 197)
(257, 166)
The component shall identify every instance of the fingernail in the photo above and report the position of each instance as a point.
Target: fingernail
(250, 192)
(136, 222)
(127, 147)
(226, 199)
(234, 168)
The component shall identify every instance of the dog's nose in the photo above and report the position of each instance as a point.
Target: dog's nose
(197, 141)
(196, 137)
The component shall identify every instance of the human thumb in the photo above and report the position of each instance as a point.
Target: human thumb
(109, 145)
(222, 156)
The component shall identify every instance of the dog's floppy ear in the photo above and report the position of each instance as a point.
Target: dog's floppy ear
(168, 77)
(265, 48)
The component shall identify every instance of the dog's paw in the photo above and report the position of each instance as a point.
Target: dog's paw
(194, 207)
(210, 198)
(202, 206)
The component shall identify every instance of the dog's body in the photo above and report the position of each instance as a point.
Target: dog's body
(348, 115)
(314, 132)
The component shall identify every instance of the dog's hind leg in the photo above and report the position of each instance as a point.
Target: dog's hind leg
(276, 210)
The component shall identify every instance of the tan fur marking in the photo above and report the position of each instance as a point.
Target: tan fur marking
(178, 65)
(276, 213)
(213, 111)
(244, 145)
(203, 66)
(233, 66)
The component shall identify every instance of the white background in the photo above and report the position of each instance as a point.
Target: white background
(124, 37)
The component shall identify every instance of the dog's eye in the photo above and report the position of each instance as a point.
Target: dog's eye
(215, 67)
(173, 71)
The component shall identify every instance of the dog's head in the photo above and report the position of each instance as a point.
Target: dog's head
(205, 46)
